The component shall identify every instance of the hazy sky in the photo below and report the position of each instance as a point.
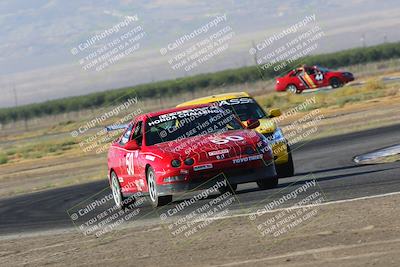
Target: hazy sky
(38, 38)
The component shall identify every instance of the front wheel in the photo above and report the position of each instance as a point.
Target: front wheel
(335, 83)
(268, 183)
(155, 200)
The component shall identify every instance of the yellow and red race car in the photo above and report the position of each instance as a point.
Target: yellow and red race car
(247, 108)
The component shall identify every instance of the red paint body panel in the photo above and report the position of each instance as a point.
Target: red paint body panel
(301, 77)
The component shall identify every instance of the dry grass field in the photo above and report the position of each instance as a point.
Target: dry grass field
(43, 154)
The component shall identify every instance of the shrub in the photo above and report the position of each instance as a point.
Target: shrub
(3, 158)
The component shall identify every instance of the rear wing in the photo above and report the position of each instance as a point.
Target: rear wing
(116, 127)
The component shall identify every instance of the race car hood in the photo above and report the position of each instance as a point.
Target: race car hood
(206, 147)
(266, 126)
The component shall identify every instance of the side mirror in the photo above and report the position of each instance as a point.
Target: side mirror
(276, 112)
(131, 145)
(252, 123)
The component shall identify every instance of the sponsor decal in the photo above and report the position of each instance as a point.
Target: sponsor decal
(236, 101)
(187, 113)
(226, 139)
(130, 162)
(150, 157)
(202, 167)
(247, 159)
(218, 152)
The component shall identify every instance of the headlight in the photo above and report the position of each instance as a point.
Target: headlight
(176, 163)
(277, 136)
(189, 161)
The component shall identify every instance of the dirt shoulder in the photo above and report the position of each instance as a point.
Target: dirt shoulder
(354, 117)
(339, 234)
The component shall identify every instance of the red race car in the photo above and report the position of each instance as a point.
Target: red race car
(176, 150)
(306, 77)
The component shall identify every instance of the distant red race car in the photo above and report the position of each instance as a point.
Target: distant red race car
(172, 151)
(306, 77)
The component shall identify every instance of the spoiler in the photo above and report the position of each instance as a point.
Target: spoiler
(116, 127)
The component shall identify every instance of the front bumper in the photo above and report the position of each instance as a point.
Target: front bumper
(279, 149)
(347, 78)
(280, 152)
(237, 176)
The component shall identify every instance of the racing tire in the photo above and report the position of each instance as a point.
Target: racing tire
(155, 199)
(229, 188)
(120, 201)
(268, 183)
(335, 82)
(286, 169)
(291, 88)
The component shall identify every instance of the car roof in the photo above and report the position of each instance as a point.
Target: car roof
(214, 98)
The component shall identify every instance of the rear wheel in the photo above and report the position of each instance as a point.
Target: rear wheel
(286, 169)
(155, 200)
(268, 183)
(335, 82)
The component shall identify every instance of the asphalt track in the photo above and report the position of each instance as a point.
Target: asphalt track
(328, 160)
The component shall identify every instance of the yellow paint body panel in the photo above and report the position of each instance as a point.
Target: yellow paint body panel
(267, 126)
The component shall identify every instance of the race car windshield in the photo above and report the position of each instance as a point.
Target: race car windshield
(249, 111)
(188, 123)
(323, 69)
(245, 108)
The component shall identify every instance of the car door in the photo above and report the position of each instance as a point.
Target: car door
(131, 166)
(125, 159)
(117, 154)
(319, 78)
(299, 79)
(310, 78)
(139, 162)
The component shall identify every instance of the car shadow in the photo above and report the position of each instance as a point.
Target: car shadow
(319, 179)
(330, 169)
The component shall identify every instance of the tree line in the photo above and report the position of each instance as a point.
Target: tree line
(194, 83)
